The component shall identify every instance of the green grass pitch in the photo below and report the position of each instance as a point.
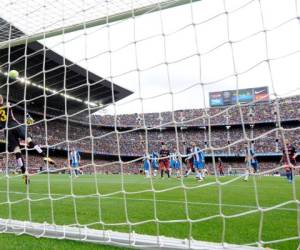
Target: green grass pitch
(203, 202)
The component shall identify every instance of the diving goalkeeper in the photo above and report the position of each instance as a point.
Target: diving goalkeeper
(14, 132)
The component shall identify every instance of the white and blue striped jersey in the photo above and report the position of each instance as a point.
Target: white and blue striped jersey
(146, 161)
(173, 156)
(253, 159)
(154, 159)
(198, 154)
(75, 158)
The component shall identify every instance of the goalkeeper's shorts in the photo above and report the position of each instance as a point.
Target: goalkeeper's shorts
(14, 136)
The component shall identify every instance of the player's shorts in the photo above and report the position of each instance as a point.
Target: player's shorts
(155, 165)
(191, 165)
(164, 164)
(177, 165)
(199, 164)
(146, 165)
(14, 136)
(75, 165)
(172, 164)
(254, 165)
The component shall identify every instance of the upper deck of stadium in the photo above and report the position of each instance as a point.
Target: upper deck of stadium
(53, 84)
(249, 113)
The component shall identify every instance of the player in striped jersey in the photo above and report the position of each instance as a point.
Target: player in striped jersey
(75, 162)
(175, 162)
(146, 161)
(198, 161)
(251, 162)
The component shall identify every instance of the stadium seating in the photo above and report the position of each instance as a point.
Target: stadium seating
(190, 126)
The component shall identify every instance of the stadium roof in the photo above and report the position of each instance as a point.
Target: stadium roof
(63, 82)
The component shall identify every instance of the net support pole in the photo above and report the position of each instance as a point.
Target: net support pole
(96, 22)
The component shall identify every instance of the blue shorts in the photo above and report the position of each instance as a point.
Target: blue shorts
(199, 164)
(146, 165)
(177, 164)
(172, 164)
(75, 165)
(155, 165)
(254, 165)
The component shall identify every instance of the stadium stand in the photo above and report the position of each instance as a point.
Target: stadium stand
(260, 119)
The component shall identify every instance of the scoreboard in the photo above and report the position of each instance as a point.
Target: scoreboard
(231, 97)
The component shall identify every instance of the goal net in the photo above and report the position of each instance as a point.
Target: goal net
(151, 124)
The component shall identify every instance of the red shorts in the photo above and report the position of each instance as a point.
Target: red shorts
(191, 165)
(164, 164)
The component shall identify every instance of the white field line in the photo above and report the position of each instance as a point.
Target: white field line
(158, 200)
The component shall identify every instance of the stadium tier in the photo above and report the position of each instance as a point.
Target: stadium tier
(226, 132)
(254, 113)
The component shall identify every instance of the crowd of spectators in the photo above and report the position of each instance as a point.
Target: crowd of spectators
(132, 141)
(283, 109)
(131, 137)
(265, 139)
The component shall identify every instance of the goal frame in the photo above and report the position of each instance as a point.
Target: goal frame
(95, 22)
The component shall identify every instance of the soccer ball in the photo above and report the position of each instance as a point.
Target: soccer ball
(13, 74)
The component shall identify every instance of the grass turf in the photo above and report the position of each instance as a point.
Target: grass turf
(237, 198)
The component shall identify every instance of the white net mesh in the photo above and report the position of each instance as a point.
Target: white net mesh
(171, 59)
(41, 16)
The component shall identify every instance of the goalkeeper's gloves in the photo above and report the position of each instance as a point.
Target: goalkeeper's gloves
(29, 119)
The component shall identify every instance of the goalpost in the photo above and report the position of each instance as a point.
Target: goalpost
(55, 24)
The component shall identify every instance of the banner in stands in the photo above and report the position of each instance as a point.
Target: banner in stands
(230, 97)
(261, 94)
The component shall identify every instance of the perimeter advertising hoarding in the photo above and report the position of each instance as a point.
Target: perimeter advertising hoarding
(229, 97)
